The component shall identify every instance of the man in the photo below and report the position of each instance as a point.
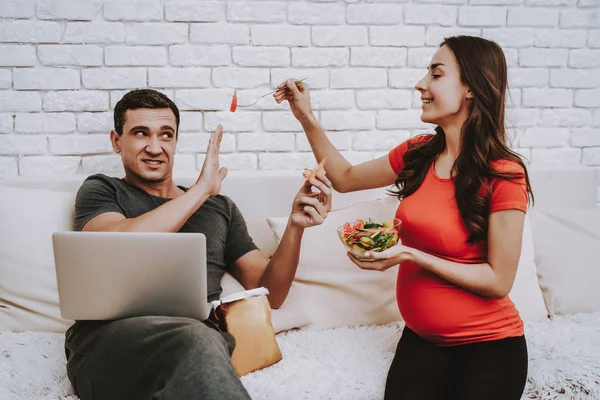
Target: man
(171, 357)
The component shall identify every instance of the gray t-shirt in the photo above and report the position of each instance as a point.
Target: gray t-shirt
(219, 219)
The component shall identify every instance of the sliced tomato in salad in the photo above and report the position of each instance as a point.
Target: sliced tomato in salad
(358, 224)
(362, 234)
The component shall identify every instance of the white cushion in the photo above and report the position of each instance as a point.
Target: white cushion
(28, 291)
(526, 292)
(330, 291)
(567, 253)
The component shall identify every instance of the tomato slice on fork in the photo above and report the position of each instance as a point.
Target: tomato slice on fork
(233, 106)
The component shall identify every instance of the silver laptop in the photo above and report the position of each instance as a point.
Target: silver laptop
(112, 275)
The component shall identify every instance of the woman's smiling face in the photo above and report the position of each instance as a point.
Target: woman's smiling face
(444, 96)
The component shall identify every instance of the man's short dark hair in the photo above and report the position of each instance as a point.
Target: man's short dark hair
(142, 98)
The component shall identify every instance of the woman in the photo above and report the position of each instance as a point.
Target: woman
(464, 197)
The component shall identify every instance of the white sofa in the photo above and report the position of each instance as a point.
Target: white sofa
(331, 357)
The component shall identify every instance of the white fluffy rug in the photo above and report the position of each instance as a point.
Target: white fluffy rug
(344, 363)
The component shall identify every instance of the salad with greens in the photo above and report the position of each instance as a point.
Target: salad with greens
(362, 236)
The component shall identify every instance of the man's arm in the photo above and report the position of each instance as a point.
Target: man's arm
(254, 269)
(169, 217)
(172, 215)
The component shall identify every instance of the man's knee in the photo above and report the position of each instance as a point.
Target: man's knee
(200, 342)
(175, 339)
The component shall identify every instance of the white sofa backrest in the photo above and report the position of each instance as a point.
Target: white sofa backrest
(262, 194)
(259, 197)
(258, 194)
(565, 187)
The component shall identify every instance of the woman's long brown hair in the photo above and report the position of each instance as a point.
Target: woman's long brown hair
(483, 69)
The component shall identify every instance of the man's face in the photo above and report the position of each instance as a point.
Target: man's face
(148, 143)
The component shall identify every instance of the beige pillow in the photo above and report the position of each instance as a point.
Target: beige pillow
(330, 291)
(28, 291)
(567, 253)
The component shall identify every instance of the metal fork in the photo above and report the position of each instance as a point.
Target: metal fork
(274, 91)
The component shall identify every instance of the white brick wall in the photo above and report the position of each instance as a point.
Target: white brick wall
(42, 123)
(17, 8)
(135, 55)
(417, 14)
(94, 32)
(68, 9)
(133, 11)
(13, 55)
(534, 57)
(65, 63)
(64, 55)
(280, 35)
(45, 78)
(75, 101)
(5, 78)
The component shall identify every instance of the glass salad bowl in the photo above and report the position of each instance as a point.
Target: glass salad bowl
(368, 235)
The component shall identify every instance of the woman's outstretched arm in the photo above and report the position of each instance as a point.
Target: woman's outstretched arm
(344, 176)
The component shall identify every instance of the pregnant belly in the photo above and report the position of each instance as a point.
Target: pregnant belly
(444, 313)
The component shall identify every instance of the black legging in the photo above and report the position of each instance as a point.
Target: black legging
(493, 370)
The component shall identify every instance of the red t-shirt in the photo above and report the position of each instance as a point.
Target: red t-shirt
(434, 308)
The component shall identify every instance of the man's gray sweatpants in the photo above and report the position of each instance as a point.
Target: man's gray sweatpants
(151, 358)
